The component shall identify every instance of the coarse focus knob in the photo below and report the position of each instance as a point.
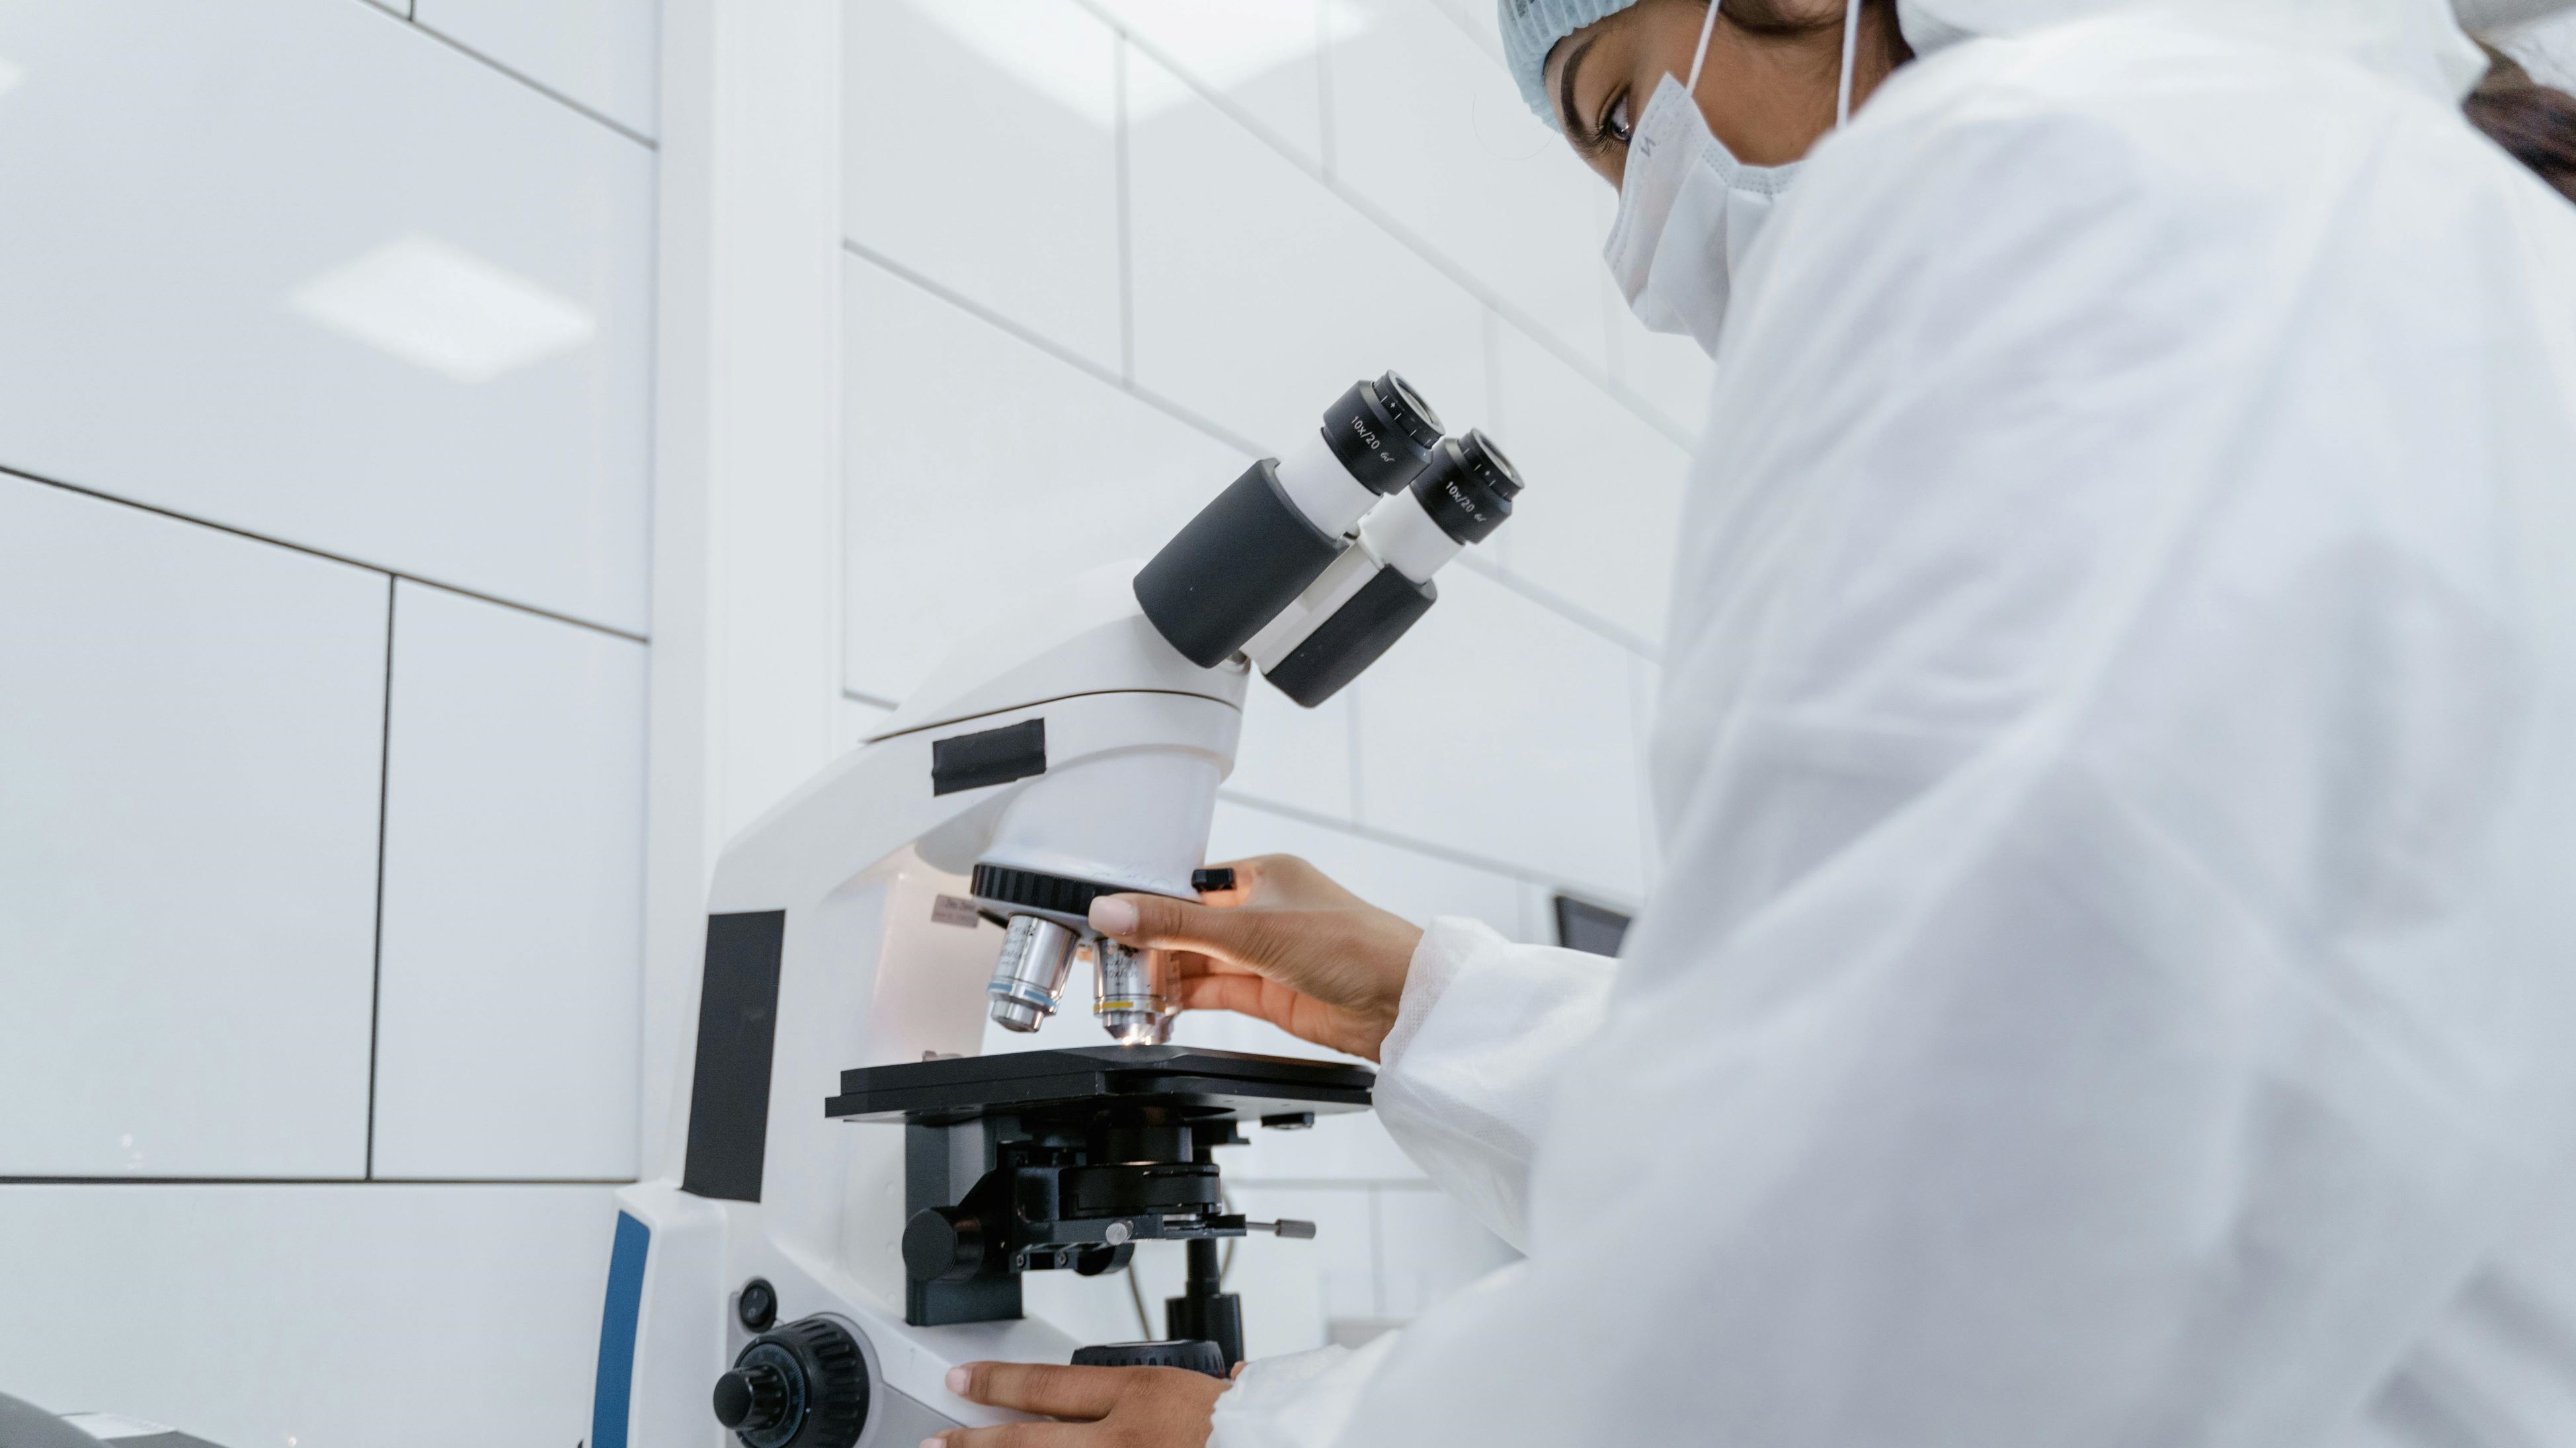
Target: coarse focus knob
(802, 1384)
(942, 1244)
(754, 1397)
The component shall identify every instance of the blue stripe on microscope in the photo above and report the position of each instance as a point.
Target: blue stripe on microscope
(615, 1385)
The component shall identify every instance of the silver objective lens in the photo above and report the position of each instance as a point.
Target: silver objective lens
(1028, 981)
(1128, 1001)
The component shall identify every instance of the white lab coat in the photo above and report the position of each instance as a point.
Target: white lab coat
(2112, 978)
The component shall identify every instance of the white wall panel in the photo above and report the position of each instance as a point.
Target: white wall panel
(1414, 885)
(190, 725)
(1259, 295)
(981, 471)
(1539, 764)
(1431, 131)
(1263, 56)
(362, 1316)
(510, 984)
(1293, 1291)
(1595, 526)
(982, 153)
(1293, 755)
(291, 267)
(601, 53)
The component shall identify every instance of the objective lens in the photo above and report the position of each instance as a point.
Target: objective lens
(1469, 487)
(1128, 996)
(1028, 980)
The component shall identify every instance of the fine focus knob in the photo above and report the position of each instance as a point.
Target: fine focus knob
(754, 1398)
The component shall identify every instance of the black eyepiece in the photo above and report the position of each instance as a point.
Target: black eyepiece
(1469, 487)
(1383, 432)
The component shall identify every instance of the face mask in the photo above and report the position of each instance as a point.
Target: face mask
(1688, 210)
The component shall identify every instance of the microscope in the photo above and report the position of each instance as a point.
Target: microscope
(825, 1256)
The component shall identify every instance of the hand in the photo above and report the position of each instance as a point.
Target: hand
(1111, 1407)
(1286, 944)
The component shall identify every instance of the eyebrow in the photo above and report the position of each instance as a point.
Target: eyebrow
(1565, 90)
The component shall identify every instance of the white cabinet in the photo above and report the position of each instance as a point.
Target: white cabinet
(189, 732)
(368, 1315)
(510, 989)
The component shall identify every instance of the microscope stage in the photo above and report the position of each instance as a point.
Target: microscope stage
(1199, 1084)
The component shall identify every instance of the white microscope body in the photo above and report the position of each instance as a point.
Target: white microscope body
(851, 926)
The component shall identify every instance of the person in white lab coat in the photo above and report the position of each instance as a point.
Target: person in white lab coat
(2112, 973)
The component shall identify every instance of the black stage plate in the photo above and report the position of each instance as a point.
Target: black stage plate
(1205, 1084)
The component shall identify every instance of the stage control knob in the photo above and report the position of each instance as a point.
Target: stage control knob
(1196, 1354)
(802, 1384)
(942, 1244)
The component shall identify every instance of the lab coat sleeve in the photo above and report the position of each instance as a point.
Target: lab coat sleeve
(1466, 1076)
(2106, 982)
(1464, 1083)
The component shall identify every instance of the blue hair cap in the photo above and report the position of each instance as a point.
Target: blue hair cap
(1531, 28)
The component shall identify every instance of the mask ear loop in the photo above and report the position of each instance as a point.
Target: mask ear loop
(1851, 49)
(1699, 57)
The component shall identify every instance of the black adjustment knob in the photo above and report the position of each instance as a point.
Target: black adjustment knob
(803, 1384)
(942, 1244)
(1196, 1354)
(754, 1397)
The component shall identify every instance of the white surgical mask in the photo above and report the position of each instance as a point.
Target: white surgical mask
(1688, 210)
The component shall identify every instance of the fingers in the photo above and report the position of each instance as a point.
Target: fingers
(1157, 921)
(1058, 1392)
(1247, 995)
(1019, 1435)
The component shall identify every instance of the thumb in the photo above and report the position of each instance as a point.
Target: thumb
(1160, 922)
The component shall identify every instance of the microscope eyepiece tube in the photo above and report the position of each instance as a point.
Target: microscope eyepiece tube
(1356, 609)
(1028, 980)
(1255, 546)
(1469, 487)
(1381, 432)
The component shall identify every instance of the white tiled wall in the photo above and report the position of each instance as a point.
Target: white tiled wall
(600, 54)
(296, 267)
(1157, 236)
(324, 434)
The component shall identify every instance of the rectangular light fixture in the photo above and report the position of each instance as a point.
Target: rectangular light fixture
(441, 307)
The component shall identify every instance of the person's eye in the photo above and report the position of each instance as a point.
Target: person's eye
(1615, 125)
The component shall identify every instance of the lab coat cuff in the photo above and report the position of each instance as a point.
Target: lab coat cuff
(1299, 1400)
(1446, 947)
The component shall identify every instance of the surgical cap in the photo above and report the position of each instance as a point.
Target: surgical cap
(1531, 28)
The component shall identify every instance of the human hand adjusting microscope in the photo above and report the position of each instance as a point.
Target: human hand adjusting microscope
(819, 1279)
